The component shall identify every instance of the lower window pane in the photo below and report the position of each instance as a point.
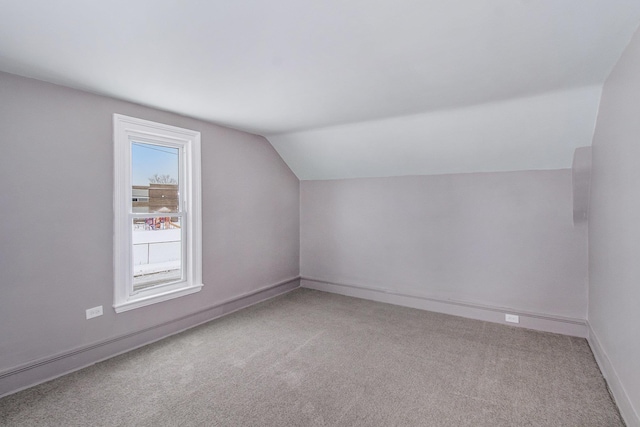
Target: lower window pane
(157, 251)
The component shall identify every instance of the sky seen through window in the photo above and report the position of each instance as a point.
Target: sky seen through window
(148, 160)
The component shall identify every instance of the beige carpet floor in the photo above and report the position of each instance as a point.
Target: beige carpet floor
(310, 358)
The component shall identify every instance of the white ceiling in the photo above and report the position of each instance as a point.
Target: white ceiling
(455, 84)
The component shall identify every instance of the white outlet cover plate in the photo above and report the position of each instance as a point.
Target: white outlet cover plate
(512, 318)
(94, 312)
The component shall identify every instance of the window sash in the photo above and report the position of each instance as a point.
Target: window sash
(134, 215)
(184, 248)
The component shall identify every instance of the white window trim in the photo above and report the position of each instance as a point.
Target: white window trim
(125, 129)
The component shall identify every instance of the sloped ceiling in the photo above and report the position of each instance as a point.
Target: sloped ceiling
(537, 132)
(345, 88)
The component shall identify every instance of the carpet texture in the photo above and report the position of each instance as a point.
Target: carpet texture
(310, 358)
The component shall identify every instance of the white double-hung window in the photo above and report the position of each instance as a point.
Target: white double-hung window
(157, 207)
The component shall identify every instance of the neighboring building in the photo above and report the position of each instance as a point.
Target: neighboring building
(154, 198)
(140, 198)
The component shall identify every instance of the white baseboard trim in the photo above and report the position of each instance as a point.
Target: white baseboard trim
(628, 412)
(35, 372)
(540, 322)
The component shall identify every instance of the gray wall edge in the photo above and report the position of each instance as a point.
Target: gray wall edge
(536, 321)
(50, 367)
(628, 412)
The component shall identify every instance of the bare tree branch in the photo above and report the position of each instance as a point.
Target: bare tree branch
(162, 179)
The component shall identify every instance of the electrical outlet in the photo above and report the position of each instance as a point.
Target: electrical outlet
(94, 312)
(512, 318)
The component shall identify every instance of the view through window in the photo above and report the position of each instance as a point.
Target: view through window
(156, 238)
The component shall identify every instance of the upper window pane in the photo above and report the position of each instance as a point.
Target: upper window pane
(155, 175)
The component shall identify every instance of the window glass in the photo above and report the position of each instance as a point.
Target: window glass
(156, 240)
(155, 175)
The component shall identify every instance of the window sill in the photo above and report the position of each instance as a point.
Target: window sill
(153, 299)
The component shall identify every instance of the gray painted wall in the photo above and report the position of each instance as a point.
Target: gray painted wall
(497, 239)
(56, 170)
(614, 233)
(581, 178)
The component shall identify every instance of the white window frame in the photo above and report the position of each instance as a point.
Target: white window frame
(125, 131)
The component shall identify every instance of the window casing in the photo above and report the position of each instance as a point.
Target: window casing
(171, 235)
